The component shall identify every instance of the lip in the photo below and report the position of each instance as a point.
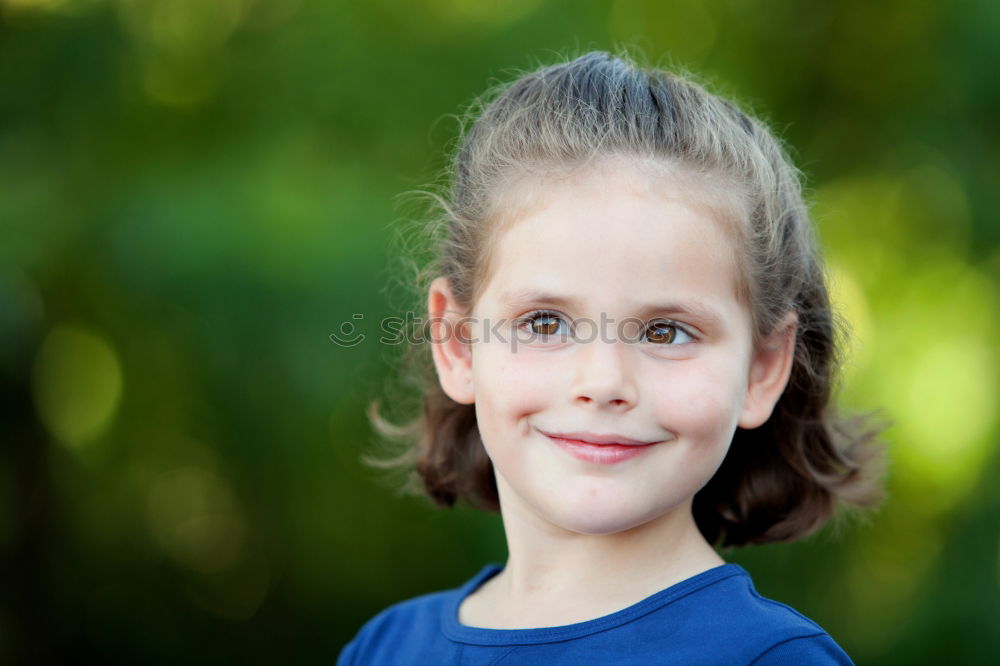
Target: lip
(600, 449)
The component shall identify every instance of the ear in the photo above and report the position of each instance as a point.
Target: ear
(450, 343)
(770, 369)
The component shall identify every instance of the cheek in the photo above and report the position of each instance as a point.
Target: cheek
(509, 388)
(508, 382)
(699, 398)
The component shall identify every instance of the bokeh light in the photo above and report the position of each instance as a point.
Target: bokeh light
(77, 384)
(196, 519)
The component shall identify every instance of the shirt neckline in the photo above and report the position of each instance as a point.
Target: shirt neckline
(461, 633)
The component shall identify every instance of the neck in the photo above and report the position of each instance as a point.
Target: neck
(554, 576)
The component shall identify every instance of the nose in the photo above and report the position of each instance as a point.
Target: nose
(604, 377)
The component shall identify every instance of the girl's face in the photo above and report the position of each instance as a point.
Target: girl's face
(659, 375)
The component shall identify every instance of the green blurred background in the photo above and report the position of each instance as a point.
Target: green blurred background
(194, 194)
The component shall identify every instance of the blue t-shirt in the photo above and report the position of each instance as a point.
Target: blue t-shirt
(715, 617)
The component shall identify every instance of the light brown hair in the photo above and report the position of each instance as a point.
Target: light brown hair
(778, 482)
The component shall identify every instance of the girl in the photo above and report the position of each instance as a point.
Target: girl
(633, 348)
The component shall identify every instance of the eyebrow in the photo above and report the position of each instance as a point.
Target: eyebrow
(699, 312)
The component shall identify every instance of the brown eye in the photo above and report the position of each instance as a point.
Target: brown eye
(545, 324)
(661, 332)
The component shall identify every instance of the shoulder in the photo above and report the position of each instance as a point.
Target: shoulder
(728, 622)
(408, 627)
(407, 623)
(818, 649)
(731, 616)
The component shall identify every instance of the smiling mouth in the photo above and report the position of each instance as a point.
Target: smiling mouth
(600, 449)
(598, 440)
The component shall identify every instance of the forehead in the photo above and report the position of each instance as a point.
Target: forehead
(616, 236)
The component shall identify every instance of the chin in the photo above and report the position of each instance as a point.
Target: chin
(593, 518)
